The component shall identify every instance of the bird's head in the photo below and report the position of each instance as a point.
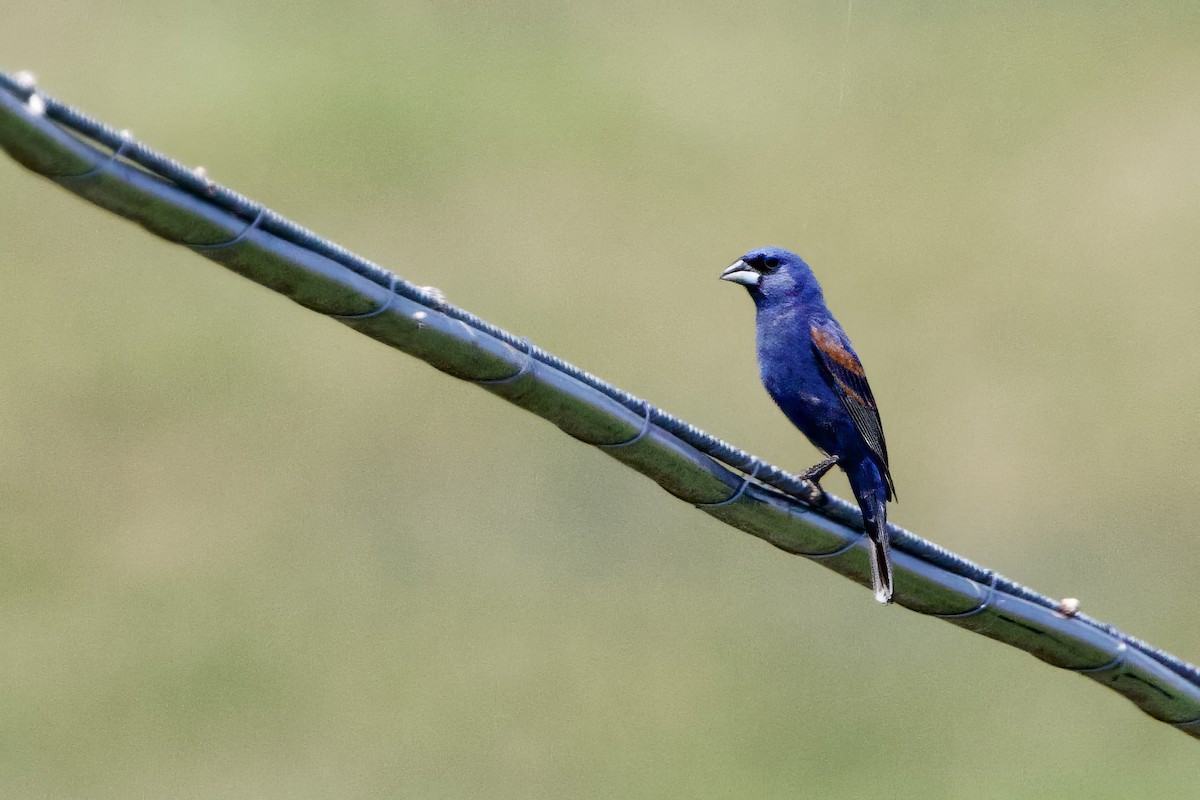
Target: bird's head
(771, 273)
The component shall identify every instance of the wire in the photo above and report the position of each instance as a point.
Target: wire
(59, 142)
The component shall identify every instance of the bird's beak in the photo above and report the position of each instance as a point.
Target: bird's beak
(743, 273)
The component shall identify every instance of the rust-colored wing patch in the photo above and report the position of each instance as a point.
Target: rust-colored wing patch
(833, 349)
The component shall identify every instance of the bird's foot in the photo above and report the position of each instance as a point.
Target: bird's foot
(817, 471)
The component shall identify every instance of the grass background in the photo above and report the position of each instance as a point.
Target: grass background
(247, 553)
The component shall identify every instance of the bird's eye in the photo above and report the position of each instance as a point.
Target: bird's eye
(771, 263)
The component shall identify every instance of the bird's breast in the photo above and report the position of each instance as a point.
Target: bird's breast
(794, 378)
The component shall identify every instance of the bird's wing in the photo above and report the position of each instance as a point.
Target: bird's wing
(833, 351)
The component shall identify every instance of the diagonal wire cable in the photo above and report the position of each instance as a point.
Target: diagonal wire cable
(111, 169)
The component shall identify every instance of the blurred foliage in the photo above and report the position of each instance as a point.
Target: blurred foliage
(248, 553)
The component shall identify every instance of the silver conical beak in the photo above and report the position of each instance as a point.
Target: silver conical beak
(743, 273)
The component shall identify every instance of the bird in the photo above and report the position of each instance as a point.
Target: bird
(812, 373)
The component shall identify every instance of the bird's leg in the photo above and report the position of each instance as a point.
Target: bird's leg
(817, 471)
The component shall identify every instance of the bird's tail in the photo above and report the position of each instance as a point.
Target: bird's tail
(871, 491)
(881, 558)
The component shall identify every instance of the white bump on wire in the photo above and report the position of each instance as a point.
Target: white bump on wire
(436, 296)
(1068, 606)
(202, 174)
(26, 81)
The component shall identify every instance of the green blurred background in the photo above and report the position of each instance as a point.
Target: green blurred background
(247, 553)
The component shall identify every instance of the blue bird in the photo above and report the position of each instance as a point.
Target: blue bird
(814, 376)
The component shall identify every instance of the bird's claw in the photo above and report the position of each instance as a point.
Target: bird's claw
(817, 471)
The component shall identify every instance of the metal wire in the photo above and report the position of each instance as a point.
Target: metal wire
(33, 125)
